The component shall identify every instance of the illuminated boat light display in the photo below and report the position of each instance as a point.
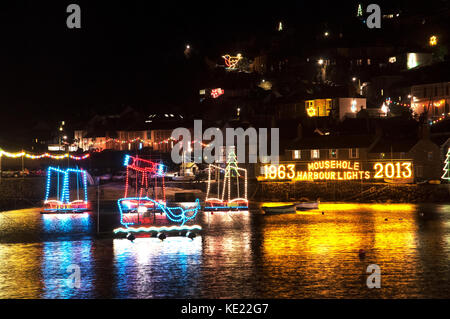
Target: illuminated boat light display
(157, 229)
(148, 207)
(62, 203)
(223, 201)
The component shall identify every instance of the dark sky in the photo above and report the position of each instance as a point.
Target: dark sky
(127, 52)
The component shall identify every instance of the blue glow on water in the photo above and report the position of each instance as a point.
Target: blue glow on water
(154, 268)
(61, 261)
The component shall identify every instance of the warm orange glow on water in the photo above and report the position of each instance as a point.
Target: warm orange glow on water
(19, 272)
(276, 204)
(322, 248)
(353, 206)
(239, 255)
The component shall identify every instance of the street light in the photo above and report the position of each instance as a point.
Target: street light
(320, 61)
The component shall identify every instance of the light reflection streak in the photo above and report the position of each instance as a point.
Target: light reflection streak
(57, 257)
(143, 267)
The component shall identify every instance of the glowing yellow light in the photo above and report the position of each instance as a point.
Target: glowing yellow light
(398, 170)
(433, 40)
(311, 111)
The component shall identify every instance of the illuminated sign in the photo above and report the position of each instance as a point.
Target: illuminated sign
(232, 61)
(335, 170)
(215, 93)
(393, 170)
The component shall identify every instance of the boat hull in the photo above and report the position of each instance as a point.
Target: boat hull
(284, 209)
(307, 206)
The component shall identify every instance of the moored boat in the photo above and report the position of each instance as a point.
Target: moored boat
(307, 205)
(279, 208)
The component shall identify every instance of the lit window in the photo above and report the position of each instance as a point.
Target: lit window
(354, 153)
(333, 153)
(315, 154)
(382, 155)
(297, 154)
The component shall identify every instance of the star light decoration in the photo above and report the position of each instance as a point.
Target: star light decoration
(433, 40)
(311, 111)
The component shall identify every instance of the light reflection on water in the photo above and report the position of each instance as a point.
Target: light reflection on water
(157, 268)
(239, 255)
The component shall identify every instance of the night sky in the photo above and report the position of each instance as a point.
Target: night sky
(131, 52)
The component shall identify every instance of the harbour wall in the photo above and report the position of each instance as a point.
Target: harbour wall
(17, 193)
(354, 192)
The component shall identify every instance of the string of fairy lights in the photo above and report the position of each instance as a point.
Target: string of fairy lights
(43, 155)
(144, 141)
(70, 156)
(137, 139)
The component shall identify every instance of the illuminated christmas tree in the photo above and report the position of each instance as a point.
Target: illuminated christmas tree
(360, 12)
(446, 167)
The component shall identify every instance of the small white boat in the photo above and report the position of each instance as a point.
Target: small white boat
(183, 178)
(307, 205)
(279, 208)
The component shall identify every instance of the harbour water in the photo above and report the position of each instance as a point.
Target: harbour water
(238, 255)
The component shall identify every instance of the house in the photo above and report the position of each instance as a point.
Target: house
(432, 99)
(412, 150)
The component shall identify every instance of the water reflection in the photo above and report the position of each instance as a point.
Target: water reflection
(238, 255)
(151, 268)
(20, 273)
(315, 255)
(63, 224)
(60, 262)
(230, 240)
